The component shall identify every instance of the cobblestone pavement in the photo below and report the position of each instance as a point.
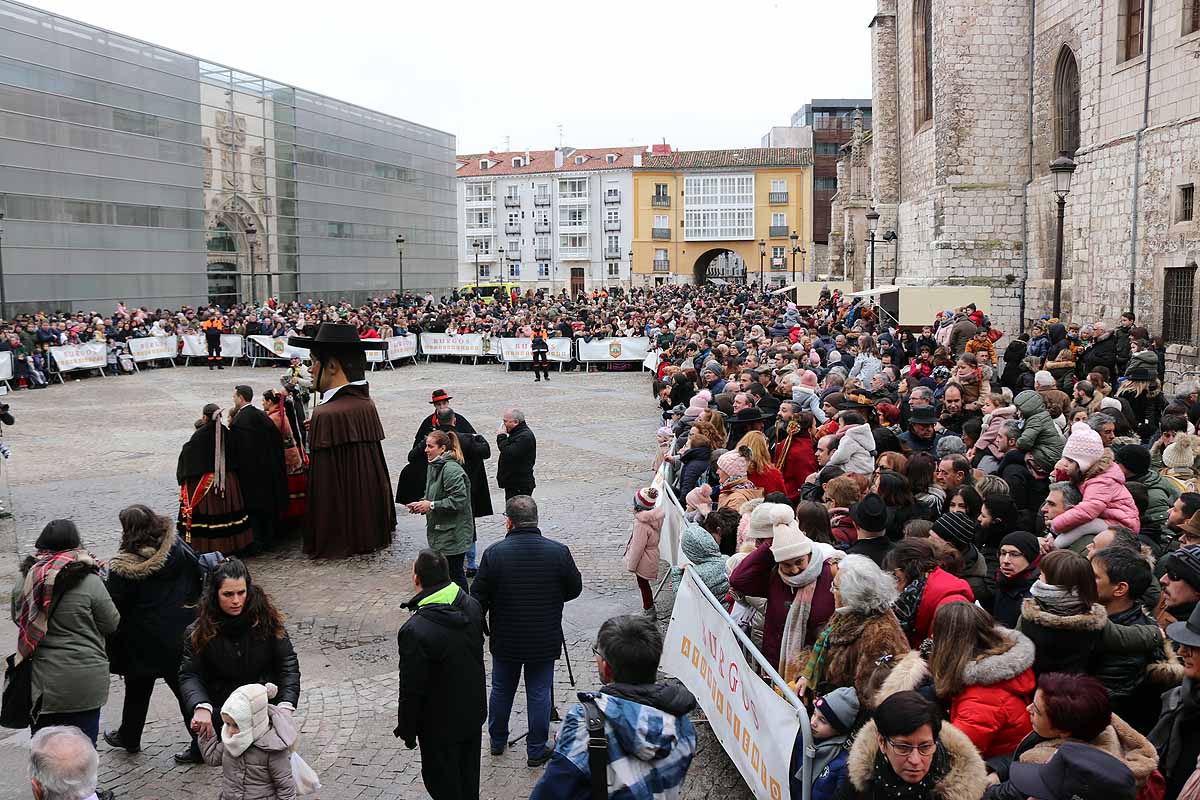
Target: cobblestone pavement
(88, 449)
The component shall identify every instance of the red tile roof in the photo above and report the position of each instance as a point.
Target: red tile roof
(543, 161)
(745, 157)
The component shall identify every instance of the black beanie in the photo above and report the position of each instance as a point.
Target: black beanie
(1024, 541)
(1134, 458)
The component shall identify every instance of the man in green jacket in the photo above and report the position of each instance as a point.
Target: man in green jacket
(1134, 461)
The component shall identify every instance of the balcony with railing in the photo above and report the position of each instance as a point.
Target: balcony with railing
(480, 230)
(778, 198)
(612, 254)
(541, 255)
(541, 199)
(541, 227)
(778, 263)
(612, 196)
(574, 253)
(612, 225)
(480, 200)
(662, 265)
(660, 201)
(660, 233)
(512, 201)
(512, 227)
(778, 231)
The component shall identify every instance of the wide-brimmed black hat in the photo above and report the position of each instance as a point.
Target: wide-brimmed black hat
(1186, 632)
(870, 513)
(923, 415)
(752, 414)
(336, 336)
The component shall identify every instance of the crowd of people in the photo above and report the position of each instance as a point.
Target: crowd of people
(980, 574)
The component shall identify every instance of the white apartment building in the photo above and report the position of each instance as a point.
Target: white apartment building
(549, 219)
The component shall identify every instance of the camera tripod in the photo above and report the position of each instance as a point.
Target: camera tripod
(554, 716)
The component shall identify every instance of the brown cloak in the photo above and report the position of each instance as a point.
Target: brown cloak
(350, 507)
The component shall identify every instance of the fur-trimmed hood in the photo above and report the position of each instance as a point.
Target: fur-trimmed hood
(1093, 621)
(1004, 666)
(1099, 468)
(144, 563)
(910, 672)
(965, 778)
(1119, 740)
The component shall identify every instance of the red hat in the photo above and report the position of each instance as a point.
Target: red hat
(439, 395)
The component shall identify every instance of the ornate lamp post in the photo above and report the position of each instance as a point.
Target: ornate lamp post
(872, 224)
(631, 271)
(1061, 168)
(251, 240)
(477, 245)
(400, 250)
(762, 256)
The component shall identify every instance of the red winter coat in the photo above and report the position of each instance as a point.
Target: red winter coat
(769, 480)
(757, 576)
(801, 461)
(992, 709)
(940, 588)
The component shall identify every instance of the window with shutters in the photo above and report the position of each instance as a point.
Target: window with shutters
(1066, 103)
(1179, 284)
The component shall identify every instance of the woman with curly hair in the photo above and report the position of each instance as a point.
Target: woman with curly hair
(238, 638)
(154, 581)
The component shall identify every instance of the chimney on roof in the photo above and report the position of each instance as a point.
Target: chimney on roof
(637, 159)
(527, 158)
(558, 157)
(663, 149)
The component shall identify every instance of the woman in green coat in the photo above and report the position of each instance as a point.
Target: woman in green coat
(449, 523)
(63, 614)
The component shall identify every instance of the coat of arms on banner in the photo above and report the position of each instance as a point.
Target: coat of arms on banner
(277, 346)
(614, 350)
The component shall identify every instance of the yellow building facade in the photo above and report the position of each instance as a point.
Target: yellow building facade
(727, 214)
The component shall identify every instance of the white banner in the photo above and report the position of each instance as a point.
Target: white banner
(398, 347)
(634, 348)
(153, 348)
(6, 365)
(756, 727)
(443, 344)
(650, 362)
(277, 347)
(522, 349)
(195, 346)
(91, 355)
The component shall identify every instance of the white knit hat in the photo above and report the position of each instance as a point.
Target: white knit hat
(1180, 453)
(247, 707)
(790, 542)
(765, 517)
(1084, 446)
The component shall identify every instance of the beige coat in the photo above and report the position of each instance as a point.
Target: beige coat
(641, 551)
(264, 771)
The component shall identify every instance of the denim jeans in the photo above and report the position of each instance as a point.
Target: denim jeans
(539, 685)
(470, 562)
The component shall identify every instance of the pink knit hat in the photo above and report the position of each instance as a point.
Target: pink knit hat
(1084, 446)
(808, 379)
(645, 498)
(698, 404)
(733, 464)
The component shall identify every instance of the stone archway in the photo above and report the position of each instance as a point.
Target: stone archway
(228, 221)
(719, 262)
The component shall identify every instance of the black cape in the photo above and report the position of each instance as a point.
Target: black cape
(259, 465)
(411, 484)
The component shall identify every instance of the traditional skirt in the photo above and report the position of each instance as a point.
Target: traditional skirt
(212, 521)
(297, 485)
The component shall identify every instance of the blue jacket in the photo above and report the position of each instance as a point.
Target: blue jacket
(651, 743)
(829, 757)
(522, 584)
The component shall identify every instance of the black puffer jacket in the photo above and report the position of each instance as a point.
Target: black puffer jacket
(442, 694)
(692, 466)
(1064, 643)
(518, 453)
(156, 593)
(236, 656)
(522, 584)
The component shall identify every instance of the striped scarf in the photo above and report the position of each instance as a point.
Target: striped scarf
(37, 594)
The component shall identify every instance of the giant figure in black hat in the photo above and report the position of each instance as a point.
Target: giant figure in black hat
(350, 508)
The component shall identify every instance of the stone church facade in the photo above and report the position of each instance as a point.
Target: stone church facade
(972, 102)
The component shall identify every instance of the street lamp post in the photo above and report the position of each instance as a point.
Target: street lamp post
(1062, 168)
(872, 224)
(400, 250)
(795, 237)
(631, 271)
(477, 245)
(762, 256)
(502, 261)
(3, 297)
(251, 240)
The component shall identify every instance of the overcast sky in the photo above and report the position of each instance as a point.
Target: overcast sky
(699, 74)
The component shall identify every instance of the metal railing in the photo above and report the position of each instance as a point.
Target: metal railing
(541, 227)
(775, 198)
(778, 231)
(612, 196)
(612, 225)
(660, 233)
(612, 254)
(541, 255)
(541, 200)
(512, 227)
(660, 201)
(662, 265)
(512, 202)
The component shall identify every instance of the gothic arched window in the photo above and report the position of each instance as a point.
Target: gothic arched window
(1066, 102)
(922, 61)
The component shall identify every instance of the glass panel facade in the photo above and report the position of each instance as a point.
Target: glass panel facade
(130, 173)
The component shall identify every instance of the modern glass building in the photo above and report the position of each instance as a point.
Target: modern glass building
(130, 172)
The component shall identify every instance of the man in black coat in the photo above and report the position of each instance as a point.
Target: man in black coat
(518, 453)
(1102, 353)
(523, 582)
(258, 454)
(442, 704)
(411, 484)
